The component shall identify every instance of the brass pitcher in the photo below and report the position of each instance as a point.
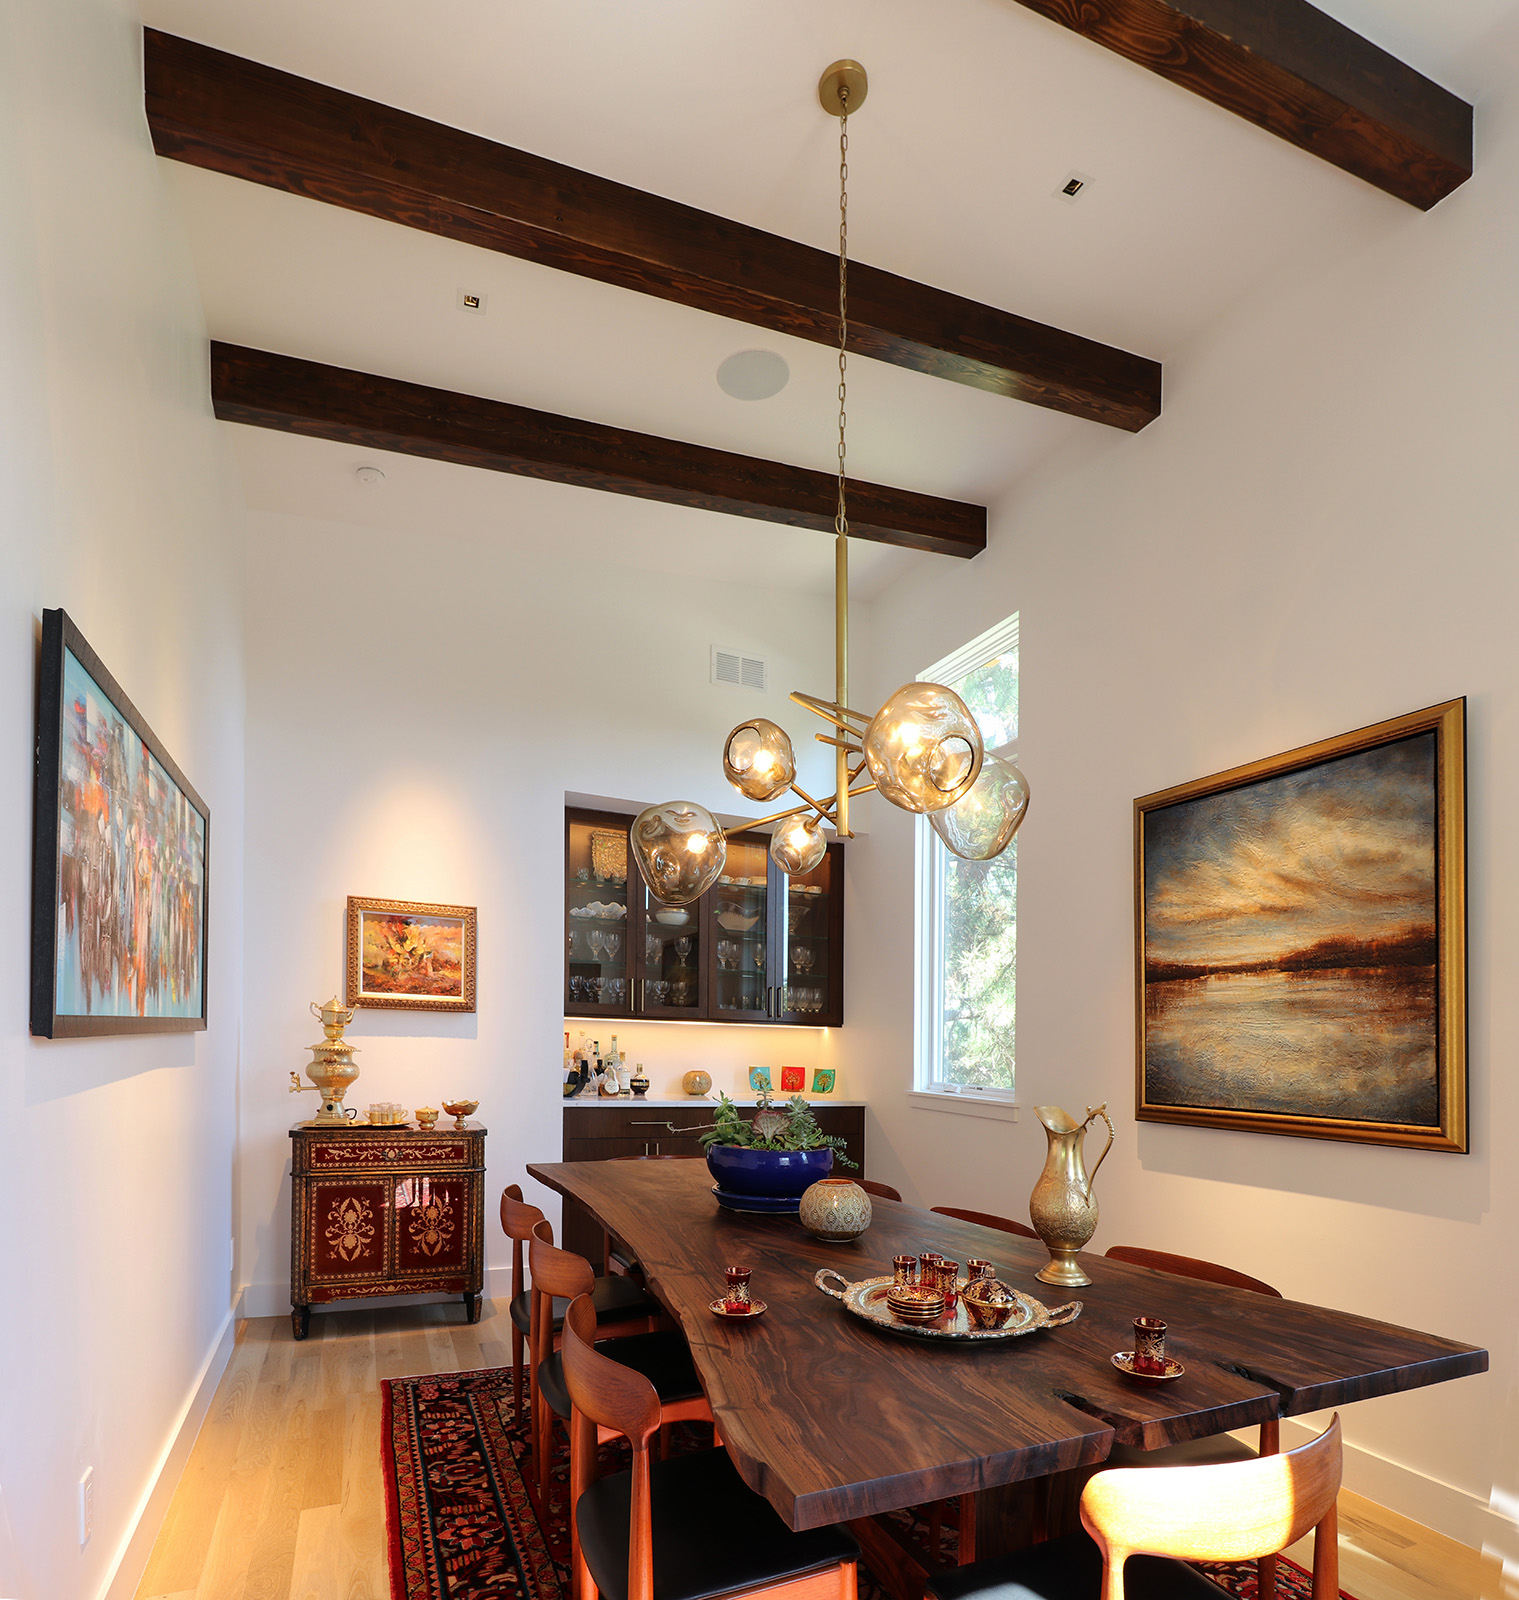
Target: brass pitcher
(1061, 1207)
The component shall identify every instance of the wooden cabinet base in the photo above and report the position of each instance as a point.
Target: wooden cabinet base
(385, 1211)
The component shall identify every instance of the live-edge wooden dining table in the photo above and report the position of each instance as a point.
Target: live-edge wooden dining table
(834, 1420)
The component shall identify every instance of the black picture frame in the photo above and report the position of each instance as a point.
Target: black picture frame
(62, 879)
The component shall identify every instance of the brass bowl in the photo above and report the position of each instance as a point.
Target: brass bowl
(460, 1109)
(427, 1118)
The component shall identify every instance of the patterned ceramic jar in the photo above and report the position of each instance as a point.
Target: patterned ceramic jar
(835, 1210)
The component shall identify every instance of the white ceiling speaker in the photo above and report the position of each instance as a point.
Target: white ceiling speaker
(369, 476)
(753, 374)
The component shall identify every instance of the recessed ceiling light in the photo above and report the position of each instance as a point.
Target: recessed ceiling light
(471, 300)
(1072, 186)
(369, 476)
(753, 374)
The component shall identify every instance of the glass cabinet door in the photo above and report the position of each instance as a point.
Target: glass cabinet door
(597, 957)
(808, 963)
(741, 978)
(670, 957)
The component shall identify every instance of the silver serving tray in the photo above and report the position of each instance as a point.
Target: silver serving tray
(867, 1300)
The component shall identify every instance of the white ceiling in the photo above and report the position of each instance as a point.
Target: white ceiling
(977, 112)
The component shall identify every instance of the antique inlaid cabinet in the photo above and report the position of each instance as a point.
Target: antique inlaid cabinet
(377, 1211)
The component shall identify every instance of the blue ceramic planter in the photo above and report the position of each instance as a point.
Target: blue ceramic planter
(767, 1174)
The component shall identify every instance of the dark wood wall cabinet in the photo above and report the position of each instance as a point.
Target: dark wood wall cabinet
(757, 948)
(606, 1131)
(380, 1211)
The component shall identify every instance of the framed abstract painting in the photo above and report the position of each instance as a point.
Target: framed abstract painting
(406, 955)
(1301, 940)
(120, 844)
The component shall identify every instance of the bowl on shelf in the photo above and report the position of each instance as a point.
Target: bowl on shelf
(673, 916)
(735, 921)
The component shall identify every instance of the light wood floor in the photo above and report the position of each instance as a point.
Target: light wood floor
(282, 1498)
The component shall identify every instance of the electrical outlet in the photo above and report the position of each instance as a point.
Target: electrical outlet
(86, 1506)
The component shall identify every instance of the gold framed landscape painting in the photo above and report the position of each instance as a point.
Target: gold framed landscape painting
(1301, 940)
(406, 955)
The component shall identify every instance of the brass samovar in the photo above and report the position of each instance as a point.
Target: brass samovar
(332, 1068)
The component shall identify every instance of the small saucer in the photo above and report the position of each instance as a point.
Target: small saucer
(1124, 1361)
(719, 1308)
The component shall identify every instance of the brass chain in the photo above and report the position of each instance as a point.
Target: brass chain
(841, 516)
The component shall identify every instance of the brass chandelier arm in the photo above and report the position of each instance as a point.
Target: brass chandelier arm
(822, 808)
(831, 711)
(847, 745)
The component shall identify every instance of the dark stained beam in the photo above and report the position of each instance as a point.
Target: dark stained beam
(322, 402)
(1288, 68)
(230, 115)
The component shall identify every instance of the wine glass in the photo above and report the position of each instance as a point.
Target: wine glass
(612, 943)
(759, 958)
(598, 944)
(683, 948)
(652, 946)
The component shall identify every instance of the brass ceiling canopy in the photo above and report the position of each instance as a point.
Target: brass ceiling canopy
(848, 75)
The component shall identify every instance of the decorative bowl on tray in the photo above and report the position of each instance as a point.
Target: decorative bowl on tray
(870, 1300)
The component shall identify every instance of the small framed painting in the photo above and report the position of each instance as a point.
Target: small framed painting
(1301, 941)
(406, 955)
(823, 1080)
(793, 1080)
(759, 1079)
(119, 859)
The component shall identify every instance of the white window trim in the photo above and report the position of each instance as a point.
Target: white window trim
(930, 1094)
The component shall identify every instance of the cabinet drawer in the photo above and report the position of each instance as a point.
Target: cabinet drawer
(375, 1152)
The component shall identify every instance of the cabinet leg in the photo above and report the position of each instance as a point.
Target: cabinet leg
(300, 1321)
(472, 1307)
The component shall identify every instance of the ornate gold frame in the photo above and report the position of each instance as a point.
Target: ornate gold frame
(357, 996)
(1448, 723)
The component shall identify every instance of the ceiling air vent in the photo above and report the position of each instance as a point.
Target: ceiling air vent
(743, 672)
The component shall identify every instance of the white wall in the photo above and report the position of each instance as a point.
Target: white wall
(117, 1153)
(420, 701)
(1319, 533)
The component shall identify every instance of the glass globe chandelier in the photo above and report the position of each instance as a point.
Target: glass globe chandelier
(923, 749)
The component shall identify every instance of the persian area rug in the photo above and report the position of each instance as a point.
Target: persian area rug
(461, 1523)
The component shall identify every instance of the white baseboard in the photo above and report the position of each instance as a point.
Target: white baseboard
(137, 1543)
(273, 1299)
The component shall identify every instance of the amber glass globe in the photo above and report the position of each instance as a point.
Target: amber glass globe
(923, 747)
(798, 844)
(680, 848)
(758, 759)
(982, 822)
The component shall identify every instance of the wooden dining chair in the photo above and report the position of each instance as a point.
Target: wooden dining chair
(685, 1527)
(881, 1191)
(985, 1219)
(1189, 1267)
(621, 1306)
(663, 1359)
(1142, 1528)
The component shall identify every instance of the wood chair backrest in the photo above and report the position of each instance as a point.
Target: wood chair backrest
(1189, 1267)
(882, 1191)
(1234, 1512)
(987, 1220)
(517, 1222)
(604, 1393)
(554, 1272)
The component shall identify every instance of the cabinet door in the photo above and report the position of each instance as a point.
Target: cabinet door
(598, 932)
(431, 1224)
(742, 985)
(671, 957)
(808, 944)
(349, 1238)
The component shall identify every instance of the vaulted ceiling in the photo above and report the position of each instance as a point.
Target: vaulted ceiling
(978, 112)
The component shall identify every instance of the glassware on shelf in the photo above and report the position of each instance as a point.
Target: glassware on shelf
(653, 949)
(683, 948)
(659, 991)
(598, 944)
(759, 958)
(611, 943)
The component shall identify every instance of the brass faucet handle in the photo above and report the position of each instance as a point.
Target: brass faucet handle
(297, 1087)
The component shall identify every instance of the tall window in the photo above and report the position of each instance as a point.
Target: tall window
(967, 924)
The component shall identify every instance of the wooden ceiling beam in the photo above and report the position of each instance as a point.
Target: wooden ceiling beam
(1290, 69)
(230, 115)
(323, 402)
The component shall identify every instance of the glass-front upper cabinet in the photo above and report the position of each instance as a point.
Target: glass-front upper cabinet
(808, 942)
(742, 983)
(597, 930)
(672, 955)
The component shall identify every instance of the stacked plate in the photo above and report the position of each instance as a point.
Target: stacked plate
(908, 1304)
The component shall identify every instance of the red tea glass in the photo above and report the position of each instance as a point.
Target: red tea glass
(904, 1271)
(736, 1300)
(1149, 1345)
(928, 1269)
(976, 1267)
(949, 1282)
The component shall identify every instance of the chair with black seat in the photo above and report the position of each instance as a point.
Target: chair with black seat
(1142, 1528)
(986, 1220)
(621, 1306)
(881, 1191)
(663, 1359)
(684, 1529)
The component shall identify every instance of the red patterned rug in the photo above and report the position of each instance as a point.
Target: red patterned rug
(461, 1523)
